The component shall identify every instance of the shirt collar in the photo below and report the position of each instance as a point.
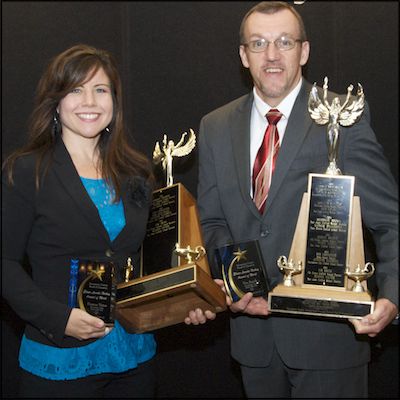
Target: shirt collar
(285, 106)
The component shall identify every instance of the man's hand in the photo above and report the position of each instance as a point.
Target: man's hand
(247, 304)
(384, 313)
(197, 317)
(251, 305)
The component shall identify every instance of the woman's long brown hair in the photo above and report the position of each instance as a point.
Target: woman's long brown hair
(76, 65)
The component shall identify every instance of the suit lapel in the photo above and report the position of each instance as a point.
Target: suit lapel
(68, 177)
(296, 131)
(240, 135)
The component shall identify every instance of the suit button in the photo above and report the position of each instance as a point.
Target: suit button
(264, 232)
(50, 336)
(109, 253)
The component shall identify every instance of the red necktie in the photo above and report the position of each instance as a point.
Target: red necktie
(264, 164)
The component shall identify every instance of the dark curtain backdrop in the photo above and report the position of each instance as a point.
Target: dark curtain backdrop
(179, 60)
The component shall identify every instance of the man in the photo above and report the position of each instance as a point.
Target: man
(284, 356)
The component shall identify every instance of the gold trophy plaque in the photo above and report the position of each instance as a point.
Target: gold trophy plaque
(325, 274)
(174, 271)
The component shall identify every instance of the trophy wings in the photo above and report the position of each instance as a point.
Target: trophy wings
(317, 109)
(181, 150)
(157, 153)
(321, 112)
(350, 113)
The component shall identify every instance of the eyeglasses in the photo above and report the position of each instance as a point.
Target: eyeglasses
(283, 43)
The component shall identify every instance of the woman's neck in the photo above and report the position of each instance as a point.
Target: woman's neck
(85, 156)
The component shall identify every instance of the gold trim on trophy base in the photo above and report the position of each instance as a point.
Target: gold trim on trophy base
(165, 298)
(308, 301)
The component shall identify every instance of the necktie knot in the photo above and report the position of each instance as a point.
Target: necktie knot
(273, 116)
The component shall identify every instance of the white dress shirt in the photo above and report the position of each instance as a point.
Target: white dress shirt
(259, 123)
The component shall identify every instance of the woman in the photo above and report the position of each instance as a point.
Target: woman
(76, 190)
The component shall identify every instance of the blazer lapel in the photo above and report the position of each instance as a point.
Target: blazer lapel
(69, 179)
(240, 135)
(296, 131)
(129, 214)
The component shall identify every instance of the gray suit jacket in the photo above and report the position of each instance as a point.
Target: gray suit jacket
(228, 214)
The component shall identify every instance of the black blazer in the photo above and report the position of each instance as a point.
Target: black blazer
(51, 226)
(228, 214)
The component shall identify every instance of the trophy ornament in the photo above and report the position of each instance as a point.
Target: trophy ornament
(97, 288)
(172, 279)
(128, 270)
(289, 269)
(329, 234)
(191, 255)
(359, 275)
(335, 114)
(170, 150)
(242, 268)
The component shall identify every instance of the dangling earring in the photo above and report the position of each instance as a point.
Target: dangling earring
(55, 123)
(108, 130)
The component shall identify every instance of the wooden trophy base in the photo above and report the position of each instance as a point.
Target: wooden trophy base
(165, 298)
(321, 300)
(327, 303)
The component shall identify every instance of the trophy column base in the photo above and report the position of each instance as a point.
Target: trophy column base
(165, 298)
(310, 301)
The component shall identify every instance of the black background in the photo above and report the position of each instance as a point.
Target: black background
(179, 60)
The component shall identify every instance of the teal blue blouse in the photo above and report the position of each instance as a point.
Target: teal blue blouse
(116, 352)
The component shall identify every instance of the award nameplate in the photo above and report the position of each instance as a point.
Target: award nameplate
(174, 271)
(325, 274)
(92, 288)
(242, 269)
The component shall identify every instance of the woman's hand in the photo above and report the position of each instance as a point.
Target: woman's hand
(82, 326)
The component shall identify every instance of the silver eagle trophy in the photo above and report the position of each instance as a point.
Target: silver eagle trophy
(170, 150)
(335, 114)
